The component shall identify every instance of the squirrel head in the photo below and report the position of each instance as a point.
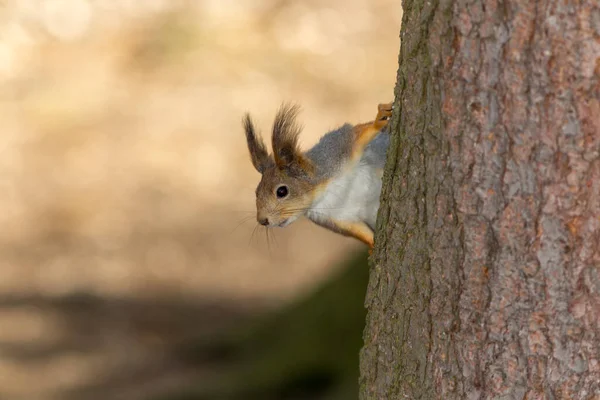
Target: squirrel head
(287, 185)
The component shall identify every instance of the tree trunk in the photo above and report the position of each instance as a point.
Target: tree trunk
(485, 281)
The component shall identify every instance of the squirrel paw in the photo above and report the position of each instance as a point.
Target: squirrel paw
(384, 112)
(371, 248)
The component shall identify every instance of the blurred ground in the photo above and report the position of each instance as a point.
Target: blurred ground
(126, 192)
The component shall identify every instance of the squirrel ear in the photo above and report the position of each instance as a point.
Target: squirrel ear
(256, 146)
(285, 140)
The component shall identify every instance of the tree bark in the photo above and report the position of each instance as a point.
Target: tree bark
(485, 280)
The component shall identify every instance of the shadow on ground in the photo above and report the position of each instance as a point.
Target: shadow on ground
(206, 350)
(308, 350)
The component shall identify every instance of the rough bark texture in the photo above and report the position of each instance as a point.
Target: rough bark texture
(485, 281)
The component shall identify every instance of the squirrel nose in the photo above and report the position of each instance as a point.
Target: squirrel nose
(264, 221)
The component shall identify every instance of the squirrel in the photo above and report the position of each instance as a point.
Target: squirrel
(336, 184)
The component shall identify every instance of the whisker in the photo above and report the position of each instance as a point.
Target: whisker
(321, 214)
(274, 238)
(325, 208)
(295, 211)
(252, 235)
(242, 222)
(268, 242)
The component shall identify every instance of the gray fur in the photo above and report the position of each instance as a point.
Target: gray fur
(375, 152)
(352, 191)
(333, 150)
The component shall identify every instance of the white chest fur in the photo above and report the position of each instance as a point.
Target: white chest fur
(351, 197)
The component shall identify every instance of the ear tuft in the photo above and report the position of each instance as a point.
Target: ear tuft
(285, 140)
(256, 146)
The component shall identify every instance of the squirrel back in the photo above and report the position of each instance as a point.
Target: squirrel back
(352, 188)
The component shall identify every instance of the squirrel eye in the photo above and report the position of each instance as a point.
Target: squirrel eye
(282, 191)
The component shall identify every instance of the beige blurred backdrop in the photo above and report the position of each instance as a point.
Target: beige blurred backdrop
(124, 176)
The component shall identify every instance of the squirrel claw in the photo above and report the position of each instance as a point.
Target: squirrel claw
(384, 112)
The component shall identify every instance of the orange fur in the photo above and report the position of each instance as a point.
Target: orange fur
(358, 230)
(364, 133)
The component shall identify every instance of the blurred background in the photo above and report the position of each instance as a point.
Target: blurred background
(131, 265)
